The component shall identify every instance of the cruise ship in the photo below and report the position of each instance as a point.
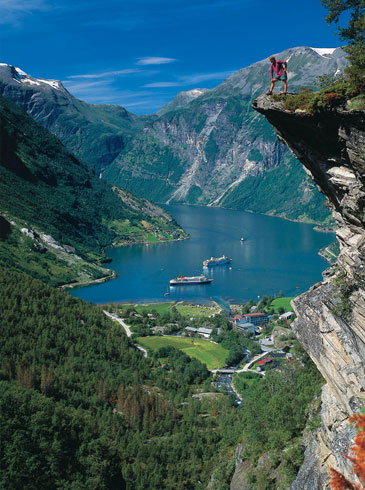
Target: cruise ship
(216, 261)
(182, 280)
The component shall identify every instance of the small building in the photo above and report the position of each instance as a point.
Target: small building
(202, 332)
(237, 318)
(245, 327)
(279, 353)
(256, 318)
(264, 361)
(158, 329)
(286, 315)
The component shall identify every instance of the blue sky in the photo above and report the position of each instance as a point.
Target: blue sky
(141, 53)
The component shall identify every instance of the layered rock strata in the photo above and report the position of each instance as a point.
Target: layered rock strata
(331, 316)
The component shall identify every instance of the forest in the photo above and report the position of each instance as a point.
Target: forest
(82, 408)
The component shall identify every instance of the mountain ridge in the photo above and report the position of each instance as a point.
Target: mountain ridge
(200, 153)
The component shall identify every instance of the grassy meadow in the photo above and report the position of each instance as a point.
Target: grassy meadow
(185, 309)
(212, 355)
(282, 303)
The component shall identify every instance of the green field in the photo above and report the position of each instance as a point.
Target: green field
(185, 309)
(198, 311)
(161, 308)
(212, 355)
(282, 302)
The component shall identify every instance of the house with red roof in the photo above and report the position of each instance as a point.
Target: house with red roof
(265, 360)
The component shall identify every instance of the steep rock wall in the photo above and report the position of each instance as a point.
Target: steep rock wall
(331, 315)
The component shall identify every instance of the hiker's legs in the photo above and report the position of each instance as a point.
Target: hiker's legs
(285, 86)
(273, 81)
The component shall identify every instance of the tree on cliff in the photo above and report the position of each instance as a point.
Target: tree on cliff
(353, 33)
(357, 457)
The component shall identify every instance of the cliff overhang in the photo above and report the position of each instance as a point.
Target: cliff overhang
(330, 143)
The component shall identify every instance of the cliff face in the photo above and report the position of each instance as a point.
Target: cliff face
(331, 315)
(215, 150)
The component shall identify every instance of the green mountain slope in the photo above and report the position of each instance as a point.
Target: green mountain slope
(57, 217)
(82, 408)
(273, 194)
(220, 146)
(95, 133)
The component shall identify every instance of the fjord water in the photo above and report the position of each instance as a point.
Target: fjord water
(277, 255)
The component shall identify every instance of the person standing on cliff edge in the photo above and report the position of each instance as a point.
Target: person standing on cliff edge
(278, 72)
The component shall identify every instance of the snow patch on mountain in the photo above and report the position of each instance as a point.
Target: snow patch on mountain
(53, 83)
(21, 72)
(20, 76)
(30, 81)
(324, 51)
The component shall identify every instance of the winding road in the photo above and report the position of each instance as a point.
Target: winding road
(126, 328)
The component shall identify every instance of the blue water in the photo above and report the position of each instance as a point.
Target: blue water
(276, 255)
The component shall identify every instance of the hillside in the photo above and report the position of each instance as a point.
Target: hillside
(96, 133)
(209, 148)
(82, 408)
(57, 217)
(216, 150)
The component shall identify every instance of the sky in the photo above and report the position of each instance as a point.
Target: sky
(140, 53)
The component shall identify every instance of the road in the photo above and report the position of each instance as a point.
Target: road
(245, 369)
(126, 328)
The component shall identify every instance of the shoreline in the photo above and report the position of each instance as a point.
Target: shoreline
(113, 274)
(316, 226)
(127, 243)
(100, 280)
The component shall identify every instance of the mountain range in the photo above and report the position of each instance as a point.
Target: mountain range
(56, 216)
(205, 147)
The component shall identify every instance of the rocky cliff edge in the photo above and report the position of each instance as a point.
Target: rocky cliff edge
(330, 143)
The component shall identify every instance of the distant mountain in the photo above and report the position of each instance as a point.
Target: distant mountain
(95, 133)
(216, 150)
(210, 149)
(181, 100)
(56, 216)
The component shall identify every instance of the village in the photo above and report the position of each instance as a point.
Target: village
(252, 337)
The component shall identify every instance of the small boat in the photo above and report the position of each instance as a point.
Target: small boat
(182, 280)
(223, 260)
(242, 239)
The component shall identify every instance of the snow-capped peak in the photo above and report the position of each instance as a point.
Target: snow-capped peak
(197, 91)
(323, 51)
(19, 76)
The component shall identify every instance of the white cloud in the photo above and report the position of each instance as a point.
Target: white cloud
(12, 10)
(194, 79)
(105, 74)
(202, 77)
(154, 60)
(162, 84)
